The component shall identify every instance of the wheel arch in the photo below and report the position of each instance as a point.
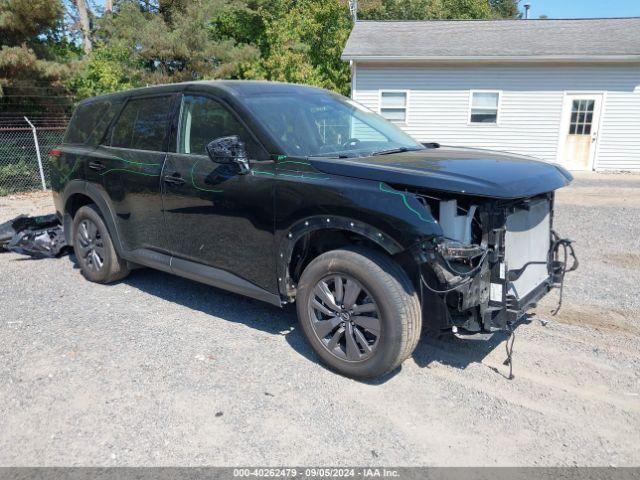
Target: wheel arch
(326, 233)
(79, 193)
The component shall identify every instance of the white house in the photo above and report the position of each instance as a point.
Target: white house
(566, 91)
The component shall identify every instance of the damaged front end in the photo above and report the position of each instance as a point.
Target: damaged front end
(494, 261)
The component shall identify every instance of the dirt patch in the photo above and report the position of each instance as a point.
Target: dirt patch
(589, 196)
(599, 189)
(594, 317)
(30, 203)
(625, 260)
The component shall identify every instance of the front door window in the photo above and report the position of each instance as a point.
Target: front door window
(203, 120)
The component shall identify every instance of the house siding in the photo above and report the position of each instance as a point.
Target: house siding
(530, 113)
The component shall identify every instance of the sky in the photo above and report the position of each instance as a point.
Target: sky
(583, 8)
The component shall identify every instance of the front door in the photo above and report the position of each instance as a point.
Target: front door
(580, 131)
(215, 215)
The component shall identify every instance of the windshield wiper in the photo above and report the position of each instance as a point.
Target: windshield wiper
(394, 150)
(362, 154)
(333, 155)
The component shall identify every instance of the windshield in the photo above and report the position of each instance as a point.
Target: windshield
(317, 123)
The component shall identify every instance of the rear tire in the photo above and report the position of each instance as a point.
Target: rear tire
(359, 311)
(98, 260)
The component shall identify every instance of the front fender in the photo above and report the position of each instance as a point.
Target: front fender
(394, 220)
(384, 209)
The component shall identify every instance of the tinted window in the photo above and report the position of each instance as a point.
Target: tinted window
(87, 119)
(143, 124)
(203, 120)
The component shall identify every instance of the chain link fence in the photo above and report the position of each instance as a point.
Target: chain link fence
(24, 148)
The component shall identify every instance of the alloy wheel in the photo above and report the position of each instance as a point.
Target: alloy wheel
(345, 318)
(91, 245)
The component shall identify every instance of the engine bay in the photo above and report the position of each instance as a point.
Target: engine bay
(494, 261)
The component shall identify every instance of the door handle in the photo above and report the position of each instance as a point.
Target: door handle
(97, 166)
(174, 179)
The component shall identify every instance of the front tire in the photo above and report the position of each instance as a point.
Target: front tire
(359, 311)
(98, 260)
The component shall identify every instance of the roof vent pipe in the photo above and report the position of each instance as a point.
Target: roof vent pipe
(527, 7)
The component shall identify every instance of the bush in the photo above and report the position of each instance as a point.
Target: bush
(18, 177)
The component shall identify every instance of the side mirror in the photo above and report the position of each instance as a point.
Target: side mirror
(229, 150)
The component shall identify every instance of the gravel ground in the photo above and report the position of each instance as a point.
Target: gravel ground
(158, 370)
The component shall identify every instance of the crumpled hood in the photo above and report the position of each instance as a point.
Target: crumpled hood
(458, 170)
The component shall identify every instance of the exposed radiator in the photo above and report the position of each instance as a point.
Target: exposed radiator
(528, 240)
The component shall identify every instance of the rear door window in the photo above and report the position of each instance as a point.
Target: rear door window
(143, 124)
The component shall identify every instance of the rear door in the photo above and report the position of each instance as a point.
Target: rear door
(130, 162)
(214, 215)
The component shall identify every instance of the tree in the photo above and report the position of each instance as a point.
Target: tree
(304, 44)
(147, 43)
(33, 46)
(85, 25)
(34, 56)
(113, 45)
(464, 9)
(398, 10)
(505, 8)
(425, 9)
(105, 70)
(22, 20)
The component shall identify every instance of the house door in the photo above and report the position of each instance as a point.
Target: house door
(580, 130)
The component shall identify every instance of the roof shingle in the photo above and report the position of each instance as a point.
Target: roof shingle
(613, 37)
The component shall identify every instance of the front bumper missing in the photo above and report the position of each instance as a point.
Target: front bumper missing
(488, 301)
(500, 313)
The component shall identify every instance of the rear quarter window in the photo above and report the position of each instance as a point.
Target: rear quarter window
(88, 120)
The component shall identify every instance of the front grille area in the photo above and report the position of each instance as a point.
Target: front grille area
(527, 240)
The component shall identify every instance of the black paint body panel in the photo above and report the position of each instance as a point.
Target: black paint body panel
(237, 231)
(220, 218)
(464, 171)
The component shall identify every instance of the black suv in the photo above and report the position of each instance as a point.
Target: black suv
(289, 193)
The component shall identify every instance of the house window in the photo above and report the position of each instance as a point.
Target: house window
(484, 107)
(582, 117)
(393, 106)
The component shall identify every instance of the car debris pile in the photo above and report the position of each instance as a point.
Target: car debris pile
(38, 237)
